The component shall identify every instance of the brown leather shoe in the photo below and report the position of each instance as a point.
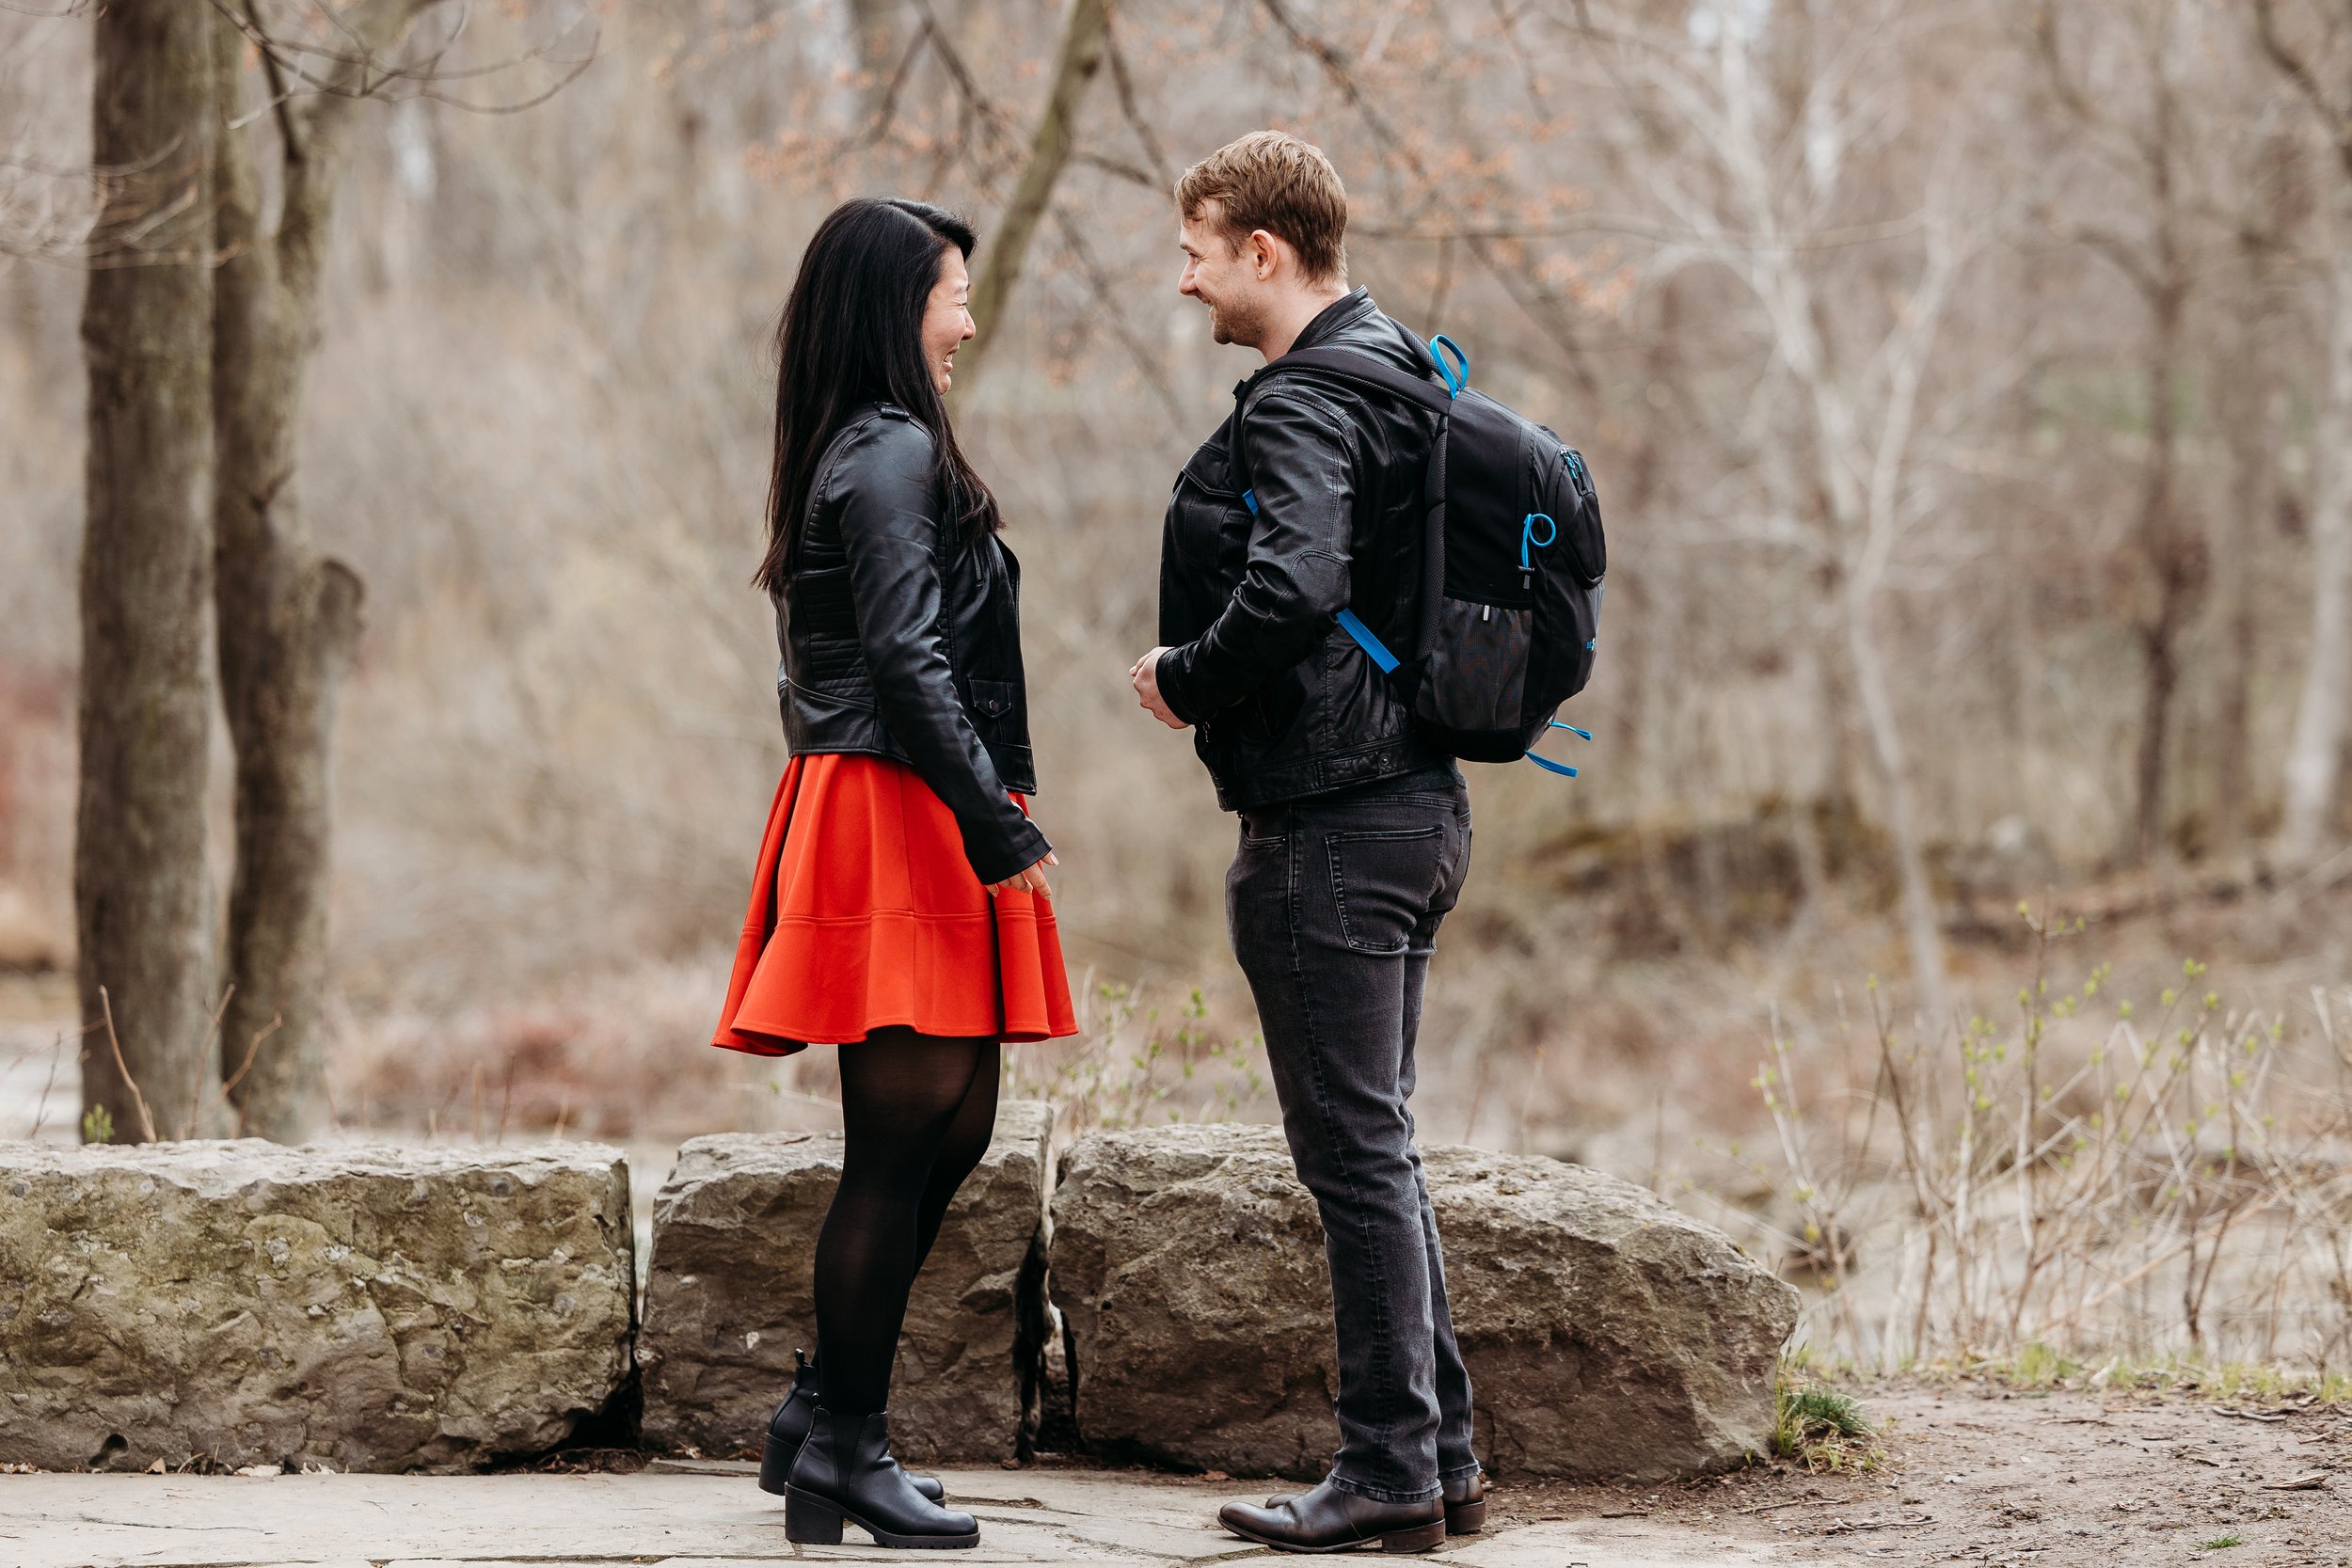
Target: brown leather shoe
(1465, 1504)
(1330, 1520)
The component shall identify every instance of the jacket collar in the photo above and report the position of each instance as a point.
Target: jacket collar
(1346, 311)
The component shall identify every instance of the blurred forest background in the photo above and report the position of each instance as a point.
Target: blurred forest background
(1968, 384)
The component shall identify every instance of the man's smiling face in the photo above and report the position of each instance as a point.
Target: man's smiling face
(1222, 275)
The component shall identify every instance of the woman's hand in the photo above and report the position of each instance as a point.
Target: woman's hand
(1030, 880)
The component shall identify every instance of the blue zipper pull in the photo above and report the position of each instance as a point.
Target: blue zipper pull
(1528, 540)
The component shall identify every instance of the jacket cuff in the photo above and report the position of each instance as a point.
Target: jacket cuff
(1021, 848)
(1169, 676)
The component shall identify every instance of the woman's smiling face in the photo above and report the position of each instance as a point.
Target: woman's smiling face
(946, 321)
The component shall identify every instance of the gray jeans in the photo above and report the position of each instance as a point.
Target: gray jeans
(1333, 906)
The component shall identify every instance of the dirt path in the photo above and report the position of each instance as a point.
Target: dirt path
(1983, 1474)
(1974, 1476)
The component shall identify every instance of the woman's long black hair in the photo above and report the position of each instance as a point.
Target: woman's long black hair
(853, 334)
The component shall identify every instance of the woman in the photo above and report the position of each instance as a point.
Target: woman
(900, 908)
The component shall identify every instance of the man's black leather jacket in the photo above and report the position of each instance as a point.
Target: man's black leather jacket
(900, 641)
(1283, 701)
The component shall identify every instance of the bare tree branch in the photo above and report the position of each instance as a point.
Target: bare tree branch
(1129, 106)
(2297, 71)
(1075, 63)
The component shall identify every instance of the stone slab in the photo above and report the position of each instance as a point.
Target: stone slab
(1606, 1332)
(729, 1295)
(366, 1307)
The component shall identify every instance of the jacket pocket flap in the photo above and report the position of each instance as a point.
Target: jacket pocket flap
(994, 698)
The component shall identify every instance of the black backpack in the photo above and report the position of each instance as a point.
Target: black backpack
(1512, 566)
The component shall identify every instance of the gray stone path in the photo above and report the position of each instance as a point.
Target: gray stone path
(689, 1517)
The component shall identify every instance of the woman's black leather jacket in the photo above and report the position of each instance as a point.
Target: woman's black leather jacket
(902, 641)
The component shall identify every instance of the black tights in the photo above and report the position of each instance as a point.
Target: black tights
(917, 1113)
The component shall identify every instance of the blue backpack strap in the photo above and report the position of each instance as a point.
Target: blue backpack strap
(1457, 374)
(1560, 768)
(1377, 650)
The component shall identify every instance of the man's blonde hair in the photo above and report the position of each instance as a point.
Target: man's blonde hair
(1270, 180)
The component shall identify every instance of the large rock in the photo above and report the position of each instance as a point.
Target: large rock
(371, 1308)
(1606, 1334)
(729, 1295)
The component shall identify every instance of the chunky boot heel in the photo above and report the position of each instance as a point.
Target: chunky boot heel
(1466, 1504)
(775, 1463)
(1422, 1539)
(845, 1471)
(810, 1521)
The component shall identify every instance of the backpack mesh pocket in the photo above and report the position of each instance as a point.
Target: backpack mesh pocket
(1476, 677)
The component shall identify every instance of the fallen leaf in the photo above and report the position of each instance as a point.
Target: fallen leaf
(156, 1468)
(2311, 1483)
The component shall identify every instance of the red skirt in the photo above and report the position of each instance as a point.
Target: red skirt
(864, 914)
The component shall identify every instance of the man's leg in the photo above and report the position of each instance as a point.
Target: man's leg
(1456, 1457)
(1324, 902)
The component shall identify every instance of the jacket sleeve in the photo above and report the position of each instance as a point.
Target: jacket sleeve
(1302, 469)
(890, 531)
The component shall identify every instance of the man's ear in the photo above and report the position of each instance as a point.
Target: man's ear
(1265, 255)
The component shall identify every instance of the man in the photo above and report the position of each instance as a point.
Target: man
(1355, 835)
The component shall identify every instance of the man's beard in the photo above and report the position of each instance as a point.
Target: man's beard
(1235, 322)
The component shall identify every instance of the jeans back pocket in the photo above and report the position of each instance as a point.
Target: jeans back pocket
(1382, 882)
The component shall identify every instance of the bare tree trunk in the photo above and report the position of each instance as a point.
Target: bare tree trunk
(288, 614)
(142, 900)
(2177, 562)
(1075, 64)
(2315, 752)
(2249, 418)
(1923, 934)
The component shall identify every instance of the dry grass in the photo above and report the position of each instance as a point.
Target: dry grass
(2098, 1179)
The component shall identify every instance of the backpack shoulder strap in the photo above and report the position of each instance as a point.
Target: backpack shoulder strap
(1348, 364)
(1355, 365)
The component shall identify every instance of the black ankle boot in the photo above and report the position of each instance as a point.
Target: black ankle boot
(788, 1429)
(1465, 1504)
(845, 1471)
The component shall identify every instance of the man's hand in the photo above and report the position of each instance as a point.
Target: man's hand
(1145, 673)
